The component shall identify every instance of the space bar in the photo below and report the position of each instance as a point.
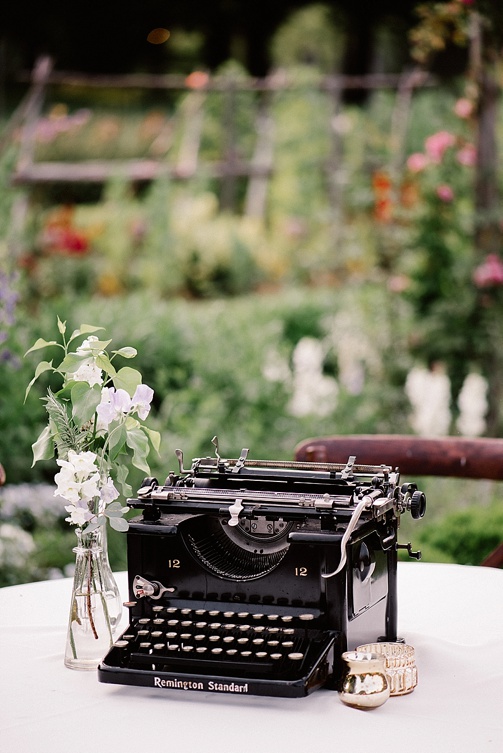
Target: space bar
(191, 662)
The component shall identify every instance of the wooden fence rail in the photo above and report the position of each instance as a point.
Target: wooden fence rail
(230, 166)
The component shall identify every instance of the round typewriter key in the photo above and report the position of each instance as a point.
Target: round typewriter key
(129, 604)
(173, 646)
(258, 628)
(228, 638)
(159, 646)
(258, 641)
(157, 608)
(158, 621)
(187, 649)
(214, 638)
(243, 615)
(213, 612)
(121, 644)
(156, 633)
(215, 625)
(143, 632)
(261, 654)
(201, 649)
(200, 612)
(185, 636)
(273, 643)
(273, 630)
(244, 628)
(171, 634)
(229, 614)
(186, 623)
(287, 618)
(199, 637)
(273, 617)
(144, 621)
(185, 610)
(306, 617)
(276, 656)
(128, 637)
(287, 644)
(295, 656)
(216, 650)
(171, 610)
(245, 653)
(172, 622)
(231, 651)
(257, 616)
(288, 631)
(243, 640)
(201, 624)
(146, 645)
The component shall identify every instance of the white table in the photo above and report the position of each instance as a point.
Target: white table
(451, 614)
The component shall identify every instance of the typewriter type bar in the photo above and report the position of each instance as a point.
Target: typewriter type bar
(254, 577)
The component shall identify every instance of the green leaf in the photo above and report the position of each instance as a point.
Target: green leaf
(84, 329)
(61, 326)
(154, 437)
(127, 379)
(43, 448)
(119, 524)
(41, 367)
(41, 343)
(138, 442)
(122, 474)
(126, 352)
(103, 362)
(116, 440)
(85, 400)
(71, 363)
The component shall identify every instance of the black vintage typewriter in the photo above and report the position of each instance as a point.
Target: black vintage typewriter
(253, 577)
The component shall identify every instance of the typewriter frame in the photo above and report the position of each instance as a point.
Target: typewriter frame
(311, 543)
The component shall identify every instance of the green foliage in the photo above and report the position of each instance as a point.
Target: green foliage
(465, 537)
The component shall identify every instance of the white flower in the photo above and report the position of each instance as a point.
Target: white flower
(90, 488)
(114, 405)
(141, 400)
(86, 349)
(79, 516)
(83, 463)
(88, 372)
(108, 492)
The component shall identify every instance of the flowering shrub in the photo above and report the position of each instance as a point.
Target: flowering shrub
(95, 418)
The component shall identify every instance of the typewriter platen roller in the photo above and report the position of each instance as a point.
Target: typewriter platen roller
(253, 577)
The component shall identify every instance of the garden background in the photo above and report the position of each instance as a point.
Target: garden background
(315, 249)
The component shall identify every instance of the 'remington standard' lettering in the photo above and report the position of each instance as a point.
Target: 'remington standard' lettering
(219, 687)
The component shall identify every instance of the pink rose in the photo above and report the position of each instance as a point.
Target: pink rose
(467, 155)
(445, 192)
(489, 273)
(463, 108)
(437, 143)
(417, 162)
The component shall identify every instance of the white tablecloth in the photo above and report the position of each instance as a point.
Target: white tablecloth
(451, 614)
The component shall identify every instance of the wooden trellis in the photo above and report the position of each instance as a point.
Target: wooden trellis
(188, 163)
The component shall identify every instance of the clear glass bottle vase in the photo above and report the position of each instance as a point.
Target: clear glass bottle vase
(93, 606)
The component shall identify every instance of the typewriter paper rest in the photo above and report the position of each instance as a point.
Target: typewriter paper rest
(253, 577)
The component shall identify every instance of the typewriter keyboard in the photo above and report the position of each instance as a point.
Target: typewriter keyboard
(268, 651)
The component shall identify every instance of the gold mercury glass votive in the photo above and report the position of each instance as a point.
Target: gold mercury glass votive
(400, 665)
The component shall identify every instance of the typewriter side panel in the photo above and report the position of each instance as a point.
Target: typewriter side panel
(371, 589)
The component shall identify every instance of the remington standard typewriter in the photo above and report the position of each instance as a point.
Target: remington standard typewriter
(253, 577)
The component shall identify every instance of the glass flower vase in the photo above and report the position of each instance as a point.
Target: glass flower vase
(90, 630)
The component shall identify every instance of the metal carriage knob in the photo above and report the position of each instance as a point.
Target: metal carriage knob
(153, 589)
